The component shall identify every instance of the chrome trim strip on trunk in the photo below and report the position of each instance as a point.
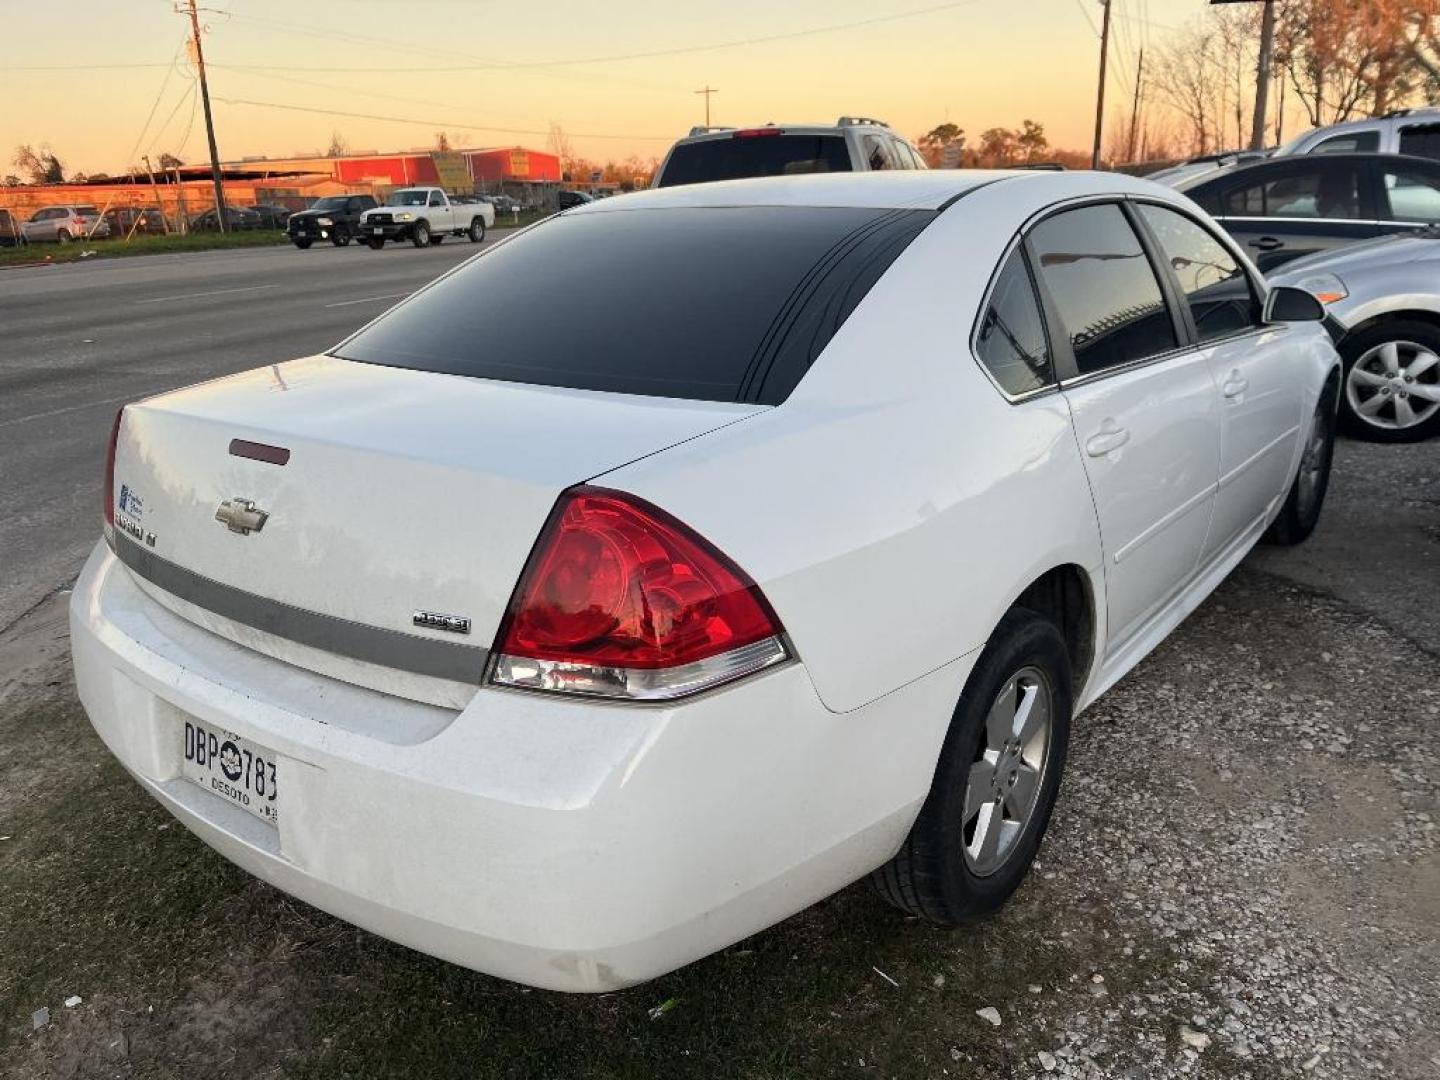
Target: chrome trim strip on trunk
(358, 641)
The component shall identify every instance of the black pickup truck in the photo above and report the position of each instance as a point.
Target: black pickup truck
(335, 218)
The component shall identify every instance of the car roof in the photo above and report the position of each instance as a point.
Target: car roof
(1300, 161)
(929, 189)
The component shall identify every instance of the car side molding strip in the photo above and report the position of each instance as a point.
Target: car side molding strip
(345, 637)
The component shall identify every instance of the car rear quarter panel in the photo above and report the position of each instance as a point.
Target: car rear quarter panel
(894, 507)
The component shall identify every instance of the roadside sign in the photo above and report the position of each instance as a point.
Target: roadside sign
(451, 170)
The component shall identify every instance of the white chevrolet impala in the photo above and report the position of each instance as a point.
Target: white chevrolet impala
(691, 555)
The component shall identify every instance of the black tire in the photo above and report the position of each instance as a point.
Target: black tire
(1410, 332)
(1301, 511)
(303, 243)
(375, 242)
(62, 237)
(420, 235)
(476, 232)
(930, 876)
(340, 237)
(436, 239)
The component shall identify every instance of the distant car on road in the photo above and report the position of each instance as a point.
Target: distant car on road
(143, 220)
(1382, 299)
(1406, 131)
(335, 218)
(271, 216)
(851, 144)
(1286, 207)
(237, 219)
(425, 215)
(65, 223)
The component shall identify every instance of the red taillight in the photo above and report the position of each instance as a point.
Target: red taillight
(757, 133)
(622, 600)
(110, 470)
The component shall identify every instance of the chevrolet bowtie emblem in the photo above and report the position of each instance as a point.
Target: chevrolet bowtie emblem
(241, 516)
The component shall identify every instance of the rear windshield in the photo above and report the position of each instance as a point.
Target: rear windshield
(739, 156)
(712, 304)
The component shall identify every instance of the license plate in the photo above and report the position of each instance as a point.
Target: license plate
(236, 769)
(378, 231)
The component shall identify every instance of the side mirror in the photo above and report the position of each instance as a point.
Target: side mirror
(1287, 305)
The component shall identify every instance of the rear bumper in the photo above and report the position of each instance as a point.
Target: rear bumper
(568, 845)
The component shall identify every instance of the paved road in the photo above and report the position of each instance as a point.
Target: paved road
(78, 340)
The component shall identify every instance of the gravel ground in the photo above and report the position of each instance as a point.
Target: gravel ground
(1242, 880)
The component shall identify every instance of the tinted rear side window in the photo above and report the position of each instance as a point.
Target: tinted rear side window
(1422, 140)
(739, 156)
(713, 304)
(1103, 286)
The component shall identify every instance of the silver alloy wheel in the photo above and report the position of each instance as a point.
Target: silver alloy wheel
(1395, 385)
(1003, 785)
(1312, 462)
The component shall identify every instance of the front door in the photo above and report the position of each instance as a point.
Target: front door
(1257, 376)
(1144, 408)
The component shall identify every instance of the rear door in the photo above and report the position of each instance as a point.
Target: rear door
(1306, 204)
(1144, 406)
(1256, 372)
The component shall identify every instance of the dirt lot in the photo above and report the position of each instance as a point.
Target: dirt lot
(1242, 880)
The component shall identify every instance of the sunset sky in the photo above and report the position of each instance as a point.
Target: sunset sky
(520, 66)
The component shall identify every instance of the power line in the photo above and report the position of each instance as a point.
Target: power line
(522, 65)
(431, 122)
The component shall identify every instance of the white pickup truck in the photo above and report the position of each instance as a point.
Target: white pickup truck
(424, 215)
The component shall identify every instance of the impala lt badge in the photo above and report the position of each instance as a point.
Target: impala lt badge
(434, 620)
(241, 516)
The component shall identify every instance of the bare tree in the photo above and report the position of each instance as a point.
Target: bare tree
(1183, 78)
(339, 145)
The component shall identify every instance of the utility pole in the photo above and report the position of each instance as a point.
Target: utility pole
(1100, 90)
(1135, 109)
(707, 92)
(199, 57)
(1262, 69)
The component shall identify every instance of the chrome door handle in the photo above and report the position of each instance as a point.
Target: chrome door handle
(1108, 439)
(1235, 385)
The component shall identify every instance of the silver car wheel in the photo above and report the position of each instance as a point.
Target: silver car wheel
(1003, 785)
(1395, 385)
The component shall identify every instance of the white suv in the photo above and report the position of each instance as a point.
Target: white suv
(65, 223)
(1405, 131)
(851, 144)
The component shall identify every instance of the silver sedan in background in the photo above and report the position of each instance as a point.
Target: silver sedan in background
(1382, 299)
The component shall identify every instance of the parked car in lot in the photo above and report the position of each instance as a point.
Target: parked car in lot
(11, 232)
(1382, 299)
(271, 216)
(1405, 131)
(135, 220)
(65, 223)
(568, 200)
(237, 219)
(335, 218)
(1287, 207)
(573, 643)
(851, 144)
(425, 215)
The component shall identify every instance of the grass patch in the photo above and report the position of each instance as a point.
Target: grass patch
(139, 245)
